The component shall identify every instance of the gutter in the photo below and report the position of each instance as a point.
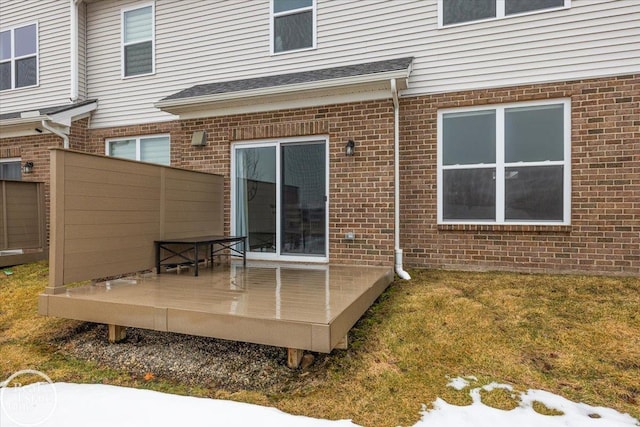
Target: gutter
(17, 121)
(281, 89)
(64, 136)
(73, 90)
(396, 176)
(57, 122)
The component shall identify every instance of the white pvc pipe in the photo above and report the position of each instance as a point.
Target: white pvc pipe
(396, 175)
(64, 136)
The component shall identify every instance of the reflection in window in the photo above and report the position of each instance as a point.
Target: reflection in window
(534, 133)
(457, 11)
(293, 25)
(256, 197)
(460, 11)
(520, 6)
(152, 149)
(19, 57)
(470, 136)
(519, 173)
(469, 194)
(534, 193)
(11, 169)
(137, 41)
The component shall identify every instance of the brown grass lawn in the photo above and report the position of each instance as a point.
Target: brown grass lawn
(576, 336)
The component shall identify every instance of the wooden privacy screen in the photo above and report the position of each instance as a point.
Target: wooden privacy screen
(21, 215)
(106, 213)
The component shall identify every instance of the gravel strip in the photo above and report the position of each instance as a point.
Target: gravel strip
(209, 362)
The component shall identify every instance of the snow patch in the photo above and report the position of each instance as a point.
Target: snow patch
(97, 405)
(478, 414)
(460, 383)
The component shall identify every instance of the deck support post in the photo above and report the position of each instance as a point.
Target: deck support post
(294, 357)
(343, 344)
(117, 333)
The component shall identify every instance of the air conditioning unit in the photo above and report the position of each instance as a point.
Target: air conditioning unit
(199, 138)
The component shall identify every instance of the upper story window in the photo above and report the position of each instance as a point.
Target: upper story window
(10, 169)
(19, 57)
(507, 164)
(460, 11)
(152, 149)
(138, 43)
(292, 25)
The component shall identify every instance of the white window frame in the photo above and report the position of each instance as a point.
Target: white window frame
(314, 23)
(501, 165)
(153, 40)
(138, 140)
(277, 143)
(500, 13)
(13, 58)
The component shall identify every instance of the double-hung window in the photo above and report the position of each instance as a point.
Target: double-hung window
(460, 11)
(152, 149)
(138, 44)
(19, 57)
(505, 164)
(293, 25)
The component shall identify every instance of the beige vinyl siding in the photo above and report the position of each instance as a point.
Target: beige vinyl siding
(218, 41)
(52, 17)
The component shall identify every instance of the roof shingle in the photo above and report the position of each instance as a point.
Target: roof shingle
(293, 78)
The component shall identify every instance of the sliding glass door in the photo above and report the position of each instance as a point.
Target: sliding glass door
(280, 200)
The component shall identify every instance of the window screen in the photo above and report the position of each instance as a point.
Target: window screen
(292, 25)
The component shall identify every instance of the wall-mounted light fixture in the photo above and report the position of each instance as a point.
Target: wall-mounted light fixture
(350, 148)
(27, 167)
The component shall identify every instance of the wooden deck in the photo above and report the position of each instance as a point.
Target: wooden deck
(307, 307)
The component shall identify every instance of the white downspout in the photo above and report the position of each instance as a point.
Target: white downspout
(396, 175)
(73, 12)
(64, 136)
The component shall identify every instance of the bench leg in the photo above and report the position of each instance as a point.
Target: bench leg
(195, 248)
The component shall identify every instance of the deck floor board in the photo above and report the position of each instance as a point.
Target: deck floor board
(311, 297)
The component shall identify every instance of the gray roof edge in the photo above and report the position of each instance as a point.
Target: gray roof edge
(46, 110)
(300, 77)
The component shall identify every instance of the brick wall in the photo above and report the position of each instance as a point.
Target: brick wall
(36, 149)
(79, 134)
(604, 235)
(33, 149)
(361, 187)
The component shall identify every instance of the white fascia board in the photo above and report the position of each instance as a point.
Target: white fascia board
(400, 75)
(66, 117)
(16, 131)
(22, 126)
(21, 121)
(251, 105)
